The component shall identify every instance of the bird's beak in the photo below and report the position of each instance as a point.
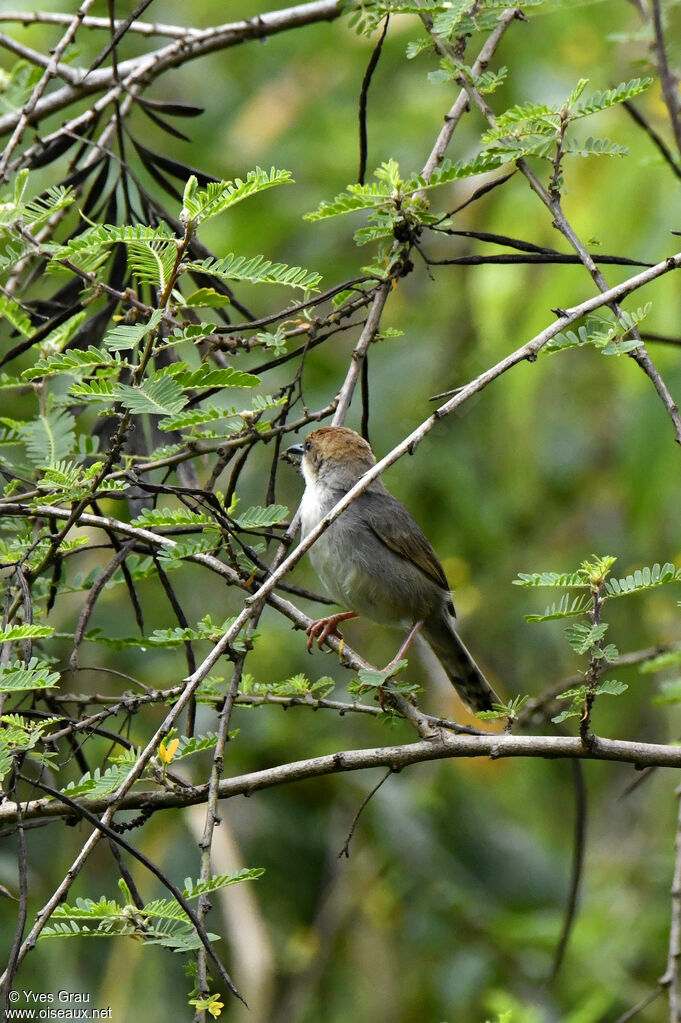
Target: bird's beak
(293, 454)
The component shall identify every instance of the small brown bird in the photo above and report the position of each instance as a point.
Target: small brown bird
(375, 559)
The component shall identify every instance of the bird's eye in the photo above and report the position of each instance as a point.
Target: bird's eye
(307, 445)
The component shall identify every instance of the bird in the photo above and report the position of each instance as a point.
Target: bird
(375, 559)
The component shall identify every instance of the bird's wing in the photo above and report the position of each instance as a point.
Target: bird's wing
(392, 524)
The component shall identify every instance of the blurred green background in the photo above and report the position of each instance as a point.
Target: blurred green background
(451, 903)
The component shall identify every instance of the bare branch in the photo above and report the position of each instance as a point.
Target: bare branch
(445, 747)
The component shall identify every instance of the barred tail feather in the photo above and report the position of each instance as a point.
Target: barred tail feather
(462, 671)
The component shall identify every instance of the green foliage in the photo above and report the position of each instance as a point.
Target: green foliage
(200, 205)
(376, 682)
(14, 314)
(607, 333)
(155, 518)
(398, 208)
(19, 737)
(485, 83)
(297, 685)
(34, 212)
(206, 629)
(20, 676)
(194, 889)
(257, 270)
(160, 922)
(539, 129)
(577, 697)
(260, 518)
(503, 710)
(563, 580)
(99, 783)
(586, 638)
(126, 336)
(73, 363)
(48, 438)
(24, 632)
(564, 608)
(645, 578)
(161, 396)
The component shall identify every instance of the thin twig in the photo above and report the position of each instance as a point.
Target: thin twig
(578, 851)
(670, 980)
(669, 81)
(656, 139)
(345, 851)
(639, 1007)
(363, 97)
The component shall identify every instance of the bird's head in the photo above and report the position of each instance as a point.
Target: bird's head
(334, 456)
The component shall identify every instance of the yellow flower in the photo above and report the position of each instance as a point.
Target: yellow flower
(167, 753)
(212, 1004)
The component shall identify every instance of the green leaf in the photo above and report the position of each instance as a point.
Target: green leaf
(12, 632)
(583, 638)
(258, 517)
(603, 100)
(199, 416)
(126, 336)
(100, 238)
(20, 677)
(257, 270)
(564, 580)
(155, 518)
(94, 391)
(206, 298)
(211, 376)
(74, 362)
(646, 578)
(370, 678)
(194, 889)
(195, 744)
(14, 314)
(577, 696)
(160, 396)
(218, 196)
(611, 687)
(49, 438)
(503, 710)
(448, 171)
(38, 210)
(153, 262)
(368, 197)
(563, 609)
(101, 783)
(594, 147)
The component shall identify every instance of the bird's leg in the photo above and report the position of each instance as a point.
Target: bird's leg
(413, 632)
(326, 627)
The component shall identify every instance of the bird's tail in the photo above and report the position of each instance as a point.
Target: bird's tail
(462, 671)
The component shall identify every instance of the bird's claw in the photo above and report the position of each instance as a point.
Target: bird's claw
(325, 627)
(321, 630)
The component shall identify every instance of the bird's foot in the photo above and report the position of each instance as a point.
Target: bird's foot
(325, 627)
